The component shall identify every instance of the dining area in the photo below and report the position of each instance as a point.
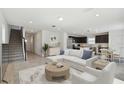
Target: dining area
(112, 55)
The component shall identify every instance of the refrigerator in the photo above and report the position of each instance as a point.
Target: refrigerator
(69, 43)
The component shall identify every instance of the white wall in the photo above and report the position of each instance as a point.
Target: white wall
(46, 36)
(64, 38)
(3, 38)
(116, 40)
(38, 43)
(4, 29)
(42, 37)
(61, 37)
(1, 21)
(0, 48)
(0, 35)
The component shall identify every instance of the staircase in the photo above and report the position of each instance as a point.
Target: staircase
(13, 51)
(15, 46)
(5, 57)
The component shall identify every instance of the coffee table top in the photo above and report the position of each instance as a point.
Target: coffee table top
(53, 68)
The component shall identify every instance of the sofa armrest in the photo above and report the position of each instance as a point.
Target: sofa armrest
(90, 60)
(93, 71)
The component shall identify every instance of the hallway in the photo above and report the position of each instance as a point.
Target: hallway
(33, 58)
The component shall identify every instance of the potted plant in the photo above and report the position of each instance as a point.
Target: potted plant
(45, 49)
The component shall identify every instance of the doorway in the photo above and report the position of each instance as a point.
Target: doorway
(30, 42)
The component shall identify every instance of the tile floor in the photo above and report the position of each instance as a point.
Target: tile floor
(33, 60)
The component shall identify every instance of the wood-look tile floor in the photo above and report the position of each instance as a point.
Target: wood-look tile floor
(11, 75)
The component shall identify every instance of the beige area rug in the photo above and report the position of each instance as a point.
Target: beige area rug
(36, 75)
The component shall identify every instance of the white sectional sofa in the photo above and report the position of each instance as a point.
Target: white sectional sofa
(94, 76)
(73, 58)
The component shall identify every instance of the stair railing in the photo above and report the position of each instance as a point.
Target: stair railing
(24, 48)
(23, 44)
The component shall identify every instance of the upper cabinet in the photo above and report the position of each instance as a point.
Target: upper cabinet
(79, 39)
(84, 39)
(102, 39)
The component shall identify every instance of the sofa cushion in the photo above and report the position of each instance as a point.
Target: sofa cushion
(87, 54)
(76, 53)
(75, 60)
(66, 52)
(88, 77)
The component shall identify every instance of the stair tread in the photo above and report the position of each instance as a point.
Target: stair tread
(13, 51)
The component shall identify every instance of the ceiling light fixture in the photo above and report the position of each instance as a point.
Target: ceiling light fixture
(30, 22)
(60, 18)
(97, 15)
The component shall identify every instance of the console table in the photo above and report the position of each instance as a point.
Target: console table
(54, 51)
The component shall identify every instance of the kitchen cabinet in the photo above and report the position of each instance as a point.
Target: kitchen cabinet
(78, 39)
(101, 39)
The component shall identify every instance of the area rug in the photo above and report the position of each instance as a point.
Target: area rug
(120, 76)
(36, 75)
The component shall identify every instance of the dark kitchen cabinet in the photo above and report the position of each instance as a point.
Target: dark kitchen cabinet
(83, 40)
(79, 39)
(102, 39)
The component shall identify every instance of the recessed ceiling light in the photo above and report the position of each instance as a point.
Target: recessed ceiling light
(60, 18)
(97, 15)
(30, 22)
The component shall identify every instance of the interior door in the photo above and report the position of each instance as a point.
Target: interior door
(30, 43)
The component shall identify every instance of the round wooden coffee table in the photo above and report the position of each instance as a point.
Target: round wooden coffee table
(52, 71)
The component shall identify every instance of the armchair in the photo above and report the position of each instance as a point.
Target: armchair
(94, 76)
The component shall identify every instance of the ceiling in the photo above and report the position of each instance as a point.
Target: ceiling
(75, 20)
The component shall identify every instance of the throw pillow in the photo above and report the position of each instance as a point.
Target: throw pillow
(61, 52)
(87, 54)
